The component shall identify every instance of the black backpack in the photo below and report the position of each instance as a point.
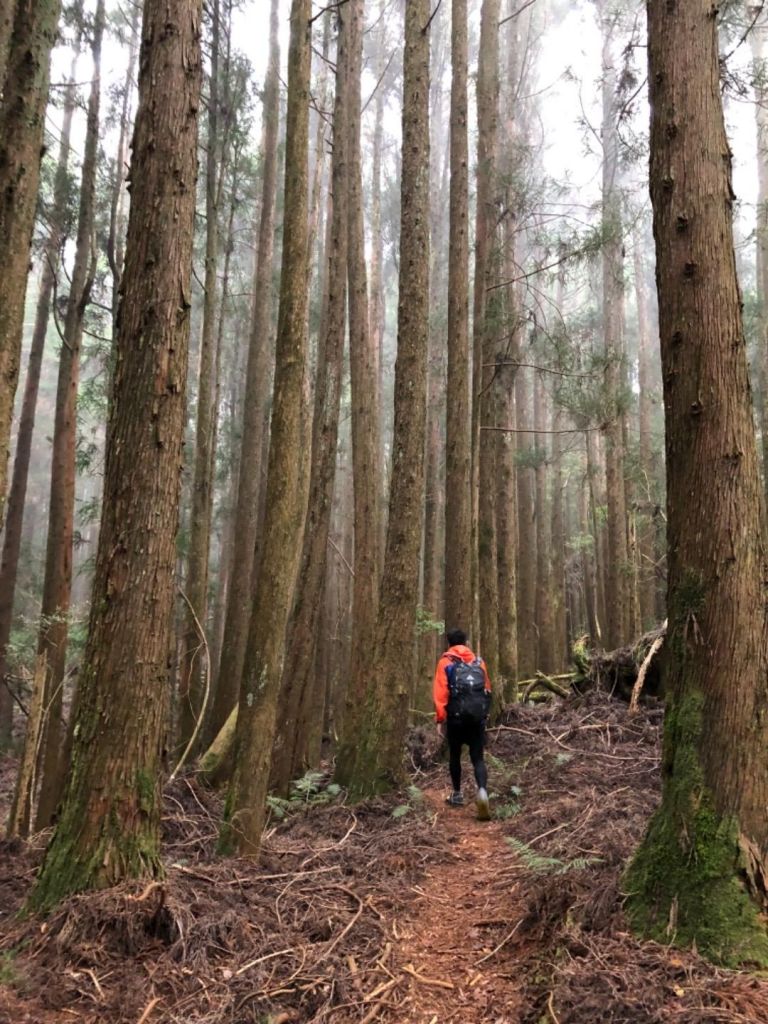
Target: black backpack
(468, 702)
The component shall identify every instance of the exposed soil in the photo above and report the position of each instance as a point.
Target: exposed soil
(381, 913)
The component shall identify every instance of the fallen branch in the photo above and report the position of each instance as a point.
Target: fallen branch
(638, 687)
(435, 982)
(549, 683)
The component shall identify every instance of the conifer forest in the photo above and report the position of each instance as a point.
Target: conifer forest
(383, 381)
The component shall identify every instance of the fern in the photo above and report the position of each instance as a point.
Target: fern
(542, 865)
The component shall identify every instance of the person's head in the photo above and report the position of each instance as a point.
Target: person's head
(456, 637)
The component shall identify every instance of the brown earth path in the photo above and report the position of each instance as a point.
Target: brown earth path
(454, 942)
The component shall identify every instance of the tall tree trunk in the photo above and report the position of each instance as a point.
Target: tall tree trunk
(299, 674)
(285, 493)
(379, 750)
(57, 585)
(458, 517)
(196, 584)
(527, 641)
(757, 43)
(703, 864)
(109, 824)
(588, 563)
(597, 506)
(486, 327)
(17, 495)
(240, 594)
(364, 387)
(116, 236)
(506, 532)
(617, 597)
(226, 511)
(377, 304)
(22, 119)
(646, 532)
(559, 592)
(544, 620)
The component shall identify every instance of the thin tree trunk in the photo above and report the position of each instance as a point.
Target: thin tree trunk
(196, 584)
(596, 507)
(258, 705)
(299, 674)
(109, 824)
(57, 585)
(506, 534)
(646, 538)
(703, 864)
(527, 642)
(544, 618)
(362, 364)
(458, 515)
(379, 749)
(617, 596)
(116, 238)
(17, 496)
(22, 119)
(377, 304)
(486, 327)
(240, 593)
(559, 593)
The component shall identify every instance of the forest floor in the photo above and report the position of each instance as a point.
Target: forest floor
(399, 910)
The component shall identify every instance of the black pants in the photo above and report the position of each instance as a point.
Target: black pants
(473, 735)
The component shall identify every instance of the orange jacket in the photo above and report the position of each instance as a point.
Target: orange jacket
(440, 685)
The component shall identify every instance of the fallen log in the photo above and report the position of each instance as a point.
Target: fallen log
(616, 672)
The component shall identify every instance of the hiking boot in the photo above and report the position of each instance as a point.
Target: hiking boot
(455, 799)
(483, 808)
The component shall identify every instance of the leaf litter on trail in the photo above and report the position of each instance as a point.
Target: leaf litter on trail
(342, 899)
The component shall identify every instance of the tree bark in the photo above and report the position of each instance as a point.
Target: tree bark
(486, 328)
(116, 236)
(526, 529)
(702, 866)
(240, 594)
(561, 647)
(109, 824)
(616, 579)
(7, 13)
(196, 583)
(257, 711)
(299, 676)
(22, 119)
(379, 750)
(57, 584)
(646, 532)
(364, 402)
(14, 523)
(757, 44)
(458, 514)
(544, 620)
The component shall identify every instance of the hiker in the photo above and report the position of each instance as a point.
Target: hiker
(462, 696)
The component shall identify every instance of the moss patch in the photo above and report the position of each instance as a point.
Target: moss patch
(686, 881)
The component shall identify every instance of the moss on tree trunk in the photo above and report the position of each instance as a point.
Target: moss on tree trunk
(689, 882)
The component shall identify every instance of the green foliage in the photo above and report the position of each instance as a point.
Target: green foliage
(415, 802)
(308, 791)
(531, 457)
(426, 623)
(9, 974)
(542, 865)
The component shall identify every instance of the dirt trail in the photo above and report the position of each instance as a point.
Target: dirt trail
(454, 940)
